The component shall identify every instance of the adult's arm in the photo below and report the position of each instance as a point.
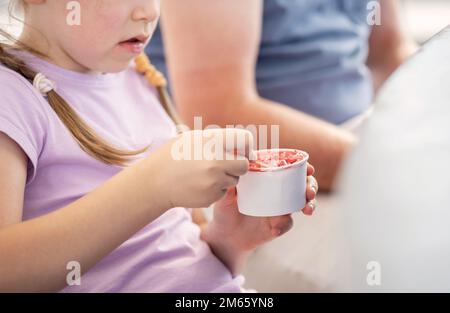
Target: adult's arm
(212, 48)
(390, 44)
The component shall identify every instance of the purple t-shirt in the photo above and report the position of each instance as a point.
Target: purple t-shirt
(165, 256)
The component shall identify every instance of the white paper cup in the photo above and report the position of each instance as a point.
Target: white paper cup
(275, 191)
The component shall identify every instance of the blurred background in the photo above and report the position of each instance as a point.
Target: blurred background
(424, 18)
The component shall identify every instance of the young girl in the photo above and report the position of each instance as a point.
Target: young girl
(86, 171)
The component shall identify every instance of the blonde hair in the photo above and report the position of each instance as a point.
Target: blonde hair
(83, 134)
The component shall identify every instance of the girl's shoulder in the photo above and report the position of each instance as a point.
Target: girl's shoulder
(21, 104)
(16, 88)
(21, 99)
(23, 115)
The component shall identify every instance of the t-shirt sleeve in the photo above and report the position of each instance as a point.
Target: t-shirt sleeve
(22, 117)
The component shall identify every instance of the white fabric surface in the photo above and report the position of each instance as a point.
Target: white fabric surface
(393, 207)
(395, 188)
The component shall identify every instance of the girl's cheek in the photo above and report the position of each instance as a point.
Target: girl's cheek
(100, 31)
(110, 14)
(108, 30)
(100, 17)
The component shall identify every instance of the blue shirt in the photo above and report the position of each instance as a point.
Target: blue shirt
(312, 56)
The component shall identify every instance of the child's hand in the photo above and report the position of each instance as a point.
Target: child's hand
(246, 232)
(198, 180)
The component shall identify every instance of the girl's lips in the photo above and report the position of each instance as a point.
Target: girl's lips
(133, 47)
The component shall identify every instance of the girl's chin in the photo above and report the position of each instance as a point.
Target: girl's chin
(116, 66)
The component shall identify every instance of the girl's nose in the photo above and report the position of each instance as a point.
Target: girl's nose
(148, 12)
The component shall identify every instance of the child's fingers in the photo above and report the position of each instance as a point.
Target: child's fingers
(230, 181)
(310, 194)
(311, 189)
(312, 184)
(228, 201)
(310, 207)
(280, 224)
(231, 140)
(235, 167)
(232, 196)
(311, 170)
(232, 192)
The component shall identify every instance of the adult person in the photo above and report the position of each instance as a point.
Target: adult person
(303, 65)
